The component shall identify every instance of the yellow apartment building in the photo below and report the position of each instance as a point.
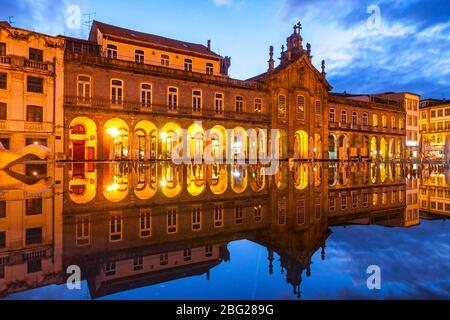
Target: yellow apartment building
(31, 89)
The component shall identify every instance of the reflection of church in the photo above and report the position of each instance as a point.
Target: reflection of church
(132, 226)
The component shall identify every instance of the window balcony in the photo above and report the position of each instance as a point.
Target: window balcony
(3, 125)
(34, 126)
(5, 60)
(36, 65)
(163, 109)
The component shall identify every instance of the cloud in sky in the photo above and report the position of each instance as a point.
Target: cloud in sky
(410, 51)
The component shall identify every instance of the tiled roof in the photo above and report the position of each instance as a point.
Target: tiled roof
(151, 39)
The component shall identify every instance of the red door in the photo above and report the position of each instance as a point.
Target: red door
(78, 155)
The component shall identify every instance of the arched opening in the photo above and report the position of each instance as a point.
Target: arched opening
(146, 140)
(216, 144)
(115, 183)
(301, 178)
(196, 179)
(257, 178)
(196, 145)
(219, 179)
(239, 142)
(83, 139)
(301, 145)
(116, 139)
(343, 147)
(317, 146)
(171, 177)
(392, 149)
(384, 148)
(374, 149)
(239, 178)
(170, 141)
(332, 147)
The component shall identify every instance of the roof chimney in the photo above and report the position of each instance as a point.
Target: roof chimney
(209, 45)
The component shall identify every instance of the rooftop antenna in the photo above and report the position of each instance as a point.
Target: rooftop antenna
(88, 19)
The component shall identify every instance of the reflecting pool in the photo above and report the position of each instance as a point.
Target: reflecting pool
(161, 231)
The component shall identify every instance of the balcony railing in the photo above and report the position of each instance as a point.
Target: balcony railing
(367, 128)
(157, 70)
(34, 126)
(3, 125)
(5, 60)
(42, 66)
(159, 109)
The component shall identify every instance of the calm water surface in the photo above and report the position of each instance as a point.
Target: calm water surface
(159, 231)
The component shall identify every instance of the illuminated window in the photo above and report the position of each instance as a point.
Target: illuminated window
(196, 100)
(165, 60)
(257, 213)
(111, 51)
(375, 120)
(187, 64)
(172, 98)
(344, 202)
(146, 95)
(116, 91)
(139, 56)
(258, 105)
(393, 122)
(209, 69)
(218, 102)
(384, 121)
(375, 199)
(239, 104)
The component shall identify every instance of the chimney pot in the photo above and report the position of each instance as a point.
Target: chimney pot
(209, 45)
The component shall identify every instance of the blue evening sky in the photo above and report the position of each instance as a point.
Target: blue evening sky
(408, 50)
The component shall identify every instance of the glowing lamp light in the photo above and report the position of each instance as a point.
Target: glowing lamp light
(163, 183)
(113, 132)
(35, 173)
(163, 135)
(112, 187)
(236, 174)
(35, 143)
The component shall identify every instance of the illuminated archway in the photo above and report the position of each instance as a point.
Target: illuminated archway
(216, 144)
(144, 188)
(301, 173)
(146, 140)
(170, 139)
(115, 183)
(196, 179)
(171, 178)
(219, 179)
(374, 148)
(257, 178)
(332, 147)
(83, 139)
(239, 142)
(83, 190)
(239, 178)
(384, 149)
(196, 135)
(301, 145)
(116, 139)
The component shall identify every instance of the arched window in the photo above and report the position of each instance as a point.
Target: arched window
(78, 129)
(344, 117)
(282, 106)
(365, 119)
(393, 122)
(165, 60)
(354, 119)
(384, 121)
(375, 120)
(332, 116)
(301, 107)
(146, 95)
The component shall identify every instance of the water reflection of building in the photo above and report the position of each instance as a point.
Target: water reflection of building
(30, 228)
(131, 226)
(434, 197)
